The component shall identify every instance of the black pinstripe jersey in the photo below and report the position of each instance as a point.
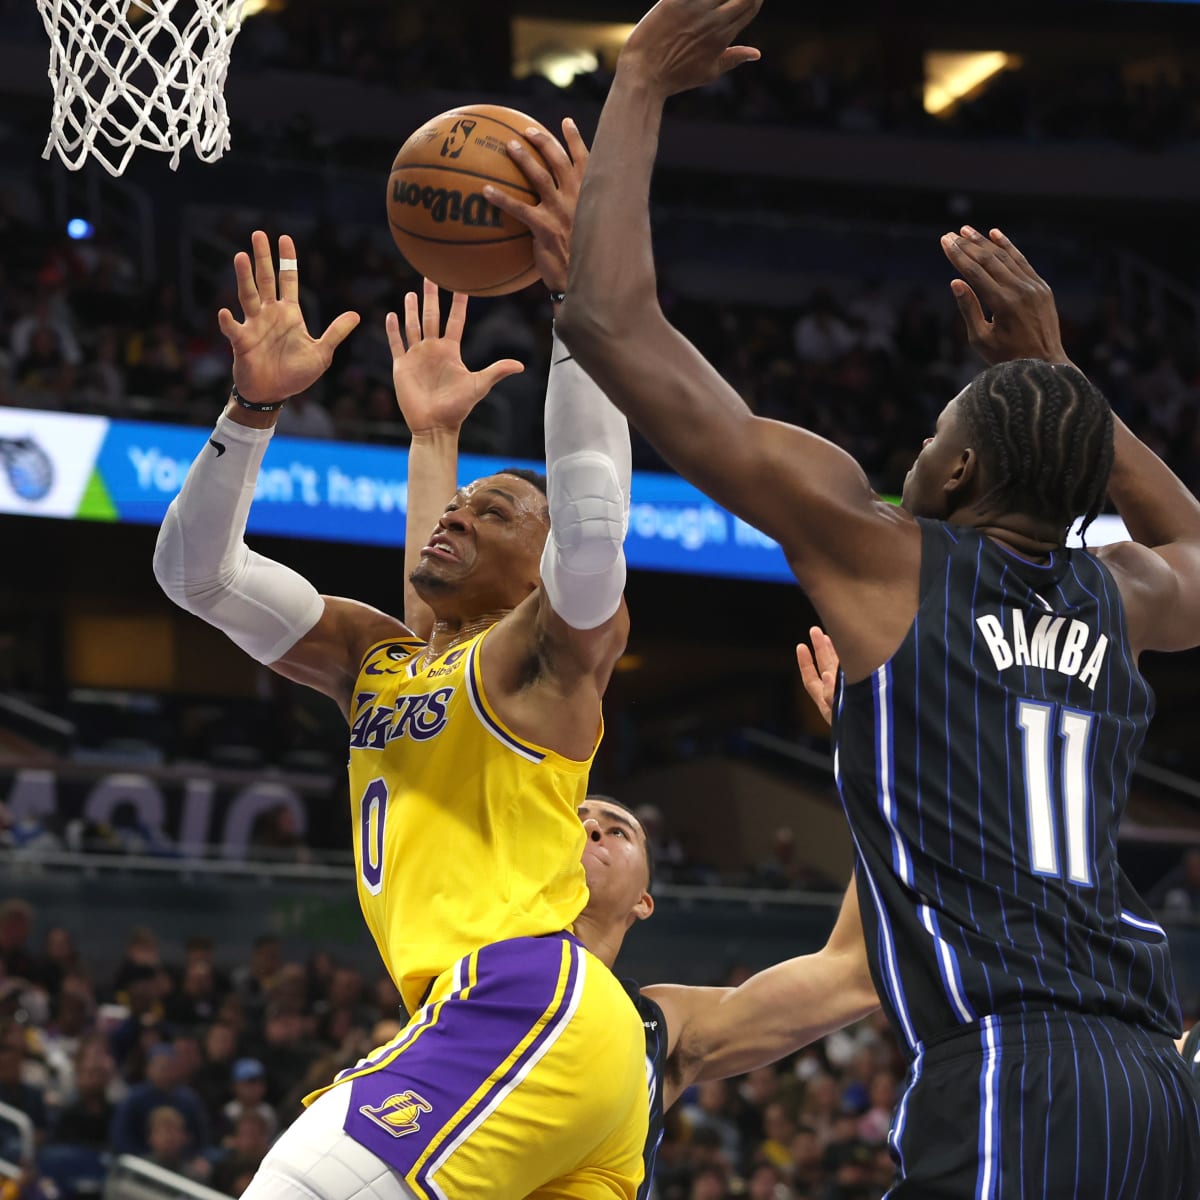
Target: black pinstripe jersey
(984, 771)
(656, 1064)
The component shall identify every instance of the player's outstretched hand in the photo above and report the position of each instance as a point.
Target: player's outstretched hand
(683, 44)
(997, 276)
(819, 670)
(553, 217)
(274, 355)
(434, 388)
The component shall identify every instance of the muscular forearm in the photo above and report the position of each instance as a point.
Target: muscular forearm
(1157, 508)
(612, 283)
(432, 479)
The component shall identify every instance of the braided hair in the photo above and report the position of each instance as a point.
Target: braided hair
(1044, 436)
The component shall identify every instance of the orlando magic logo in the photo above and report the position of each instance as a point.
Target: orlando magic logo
(398, 1115)
(456, 141)
(29, 468)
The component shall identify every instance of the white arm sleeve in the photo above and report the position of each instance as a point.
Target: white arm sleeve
(202, 562)
(589, 468)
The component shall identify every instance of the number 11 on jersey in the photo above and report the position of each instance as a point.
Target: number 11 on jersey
(1075, 729)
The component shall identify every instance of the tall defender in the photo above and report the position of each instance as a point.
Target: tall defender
(991, 708)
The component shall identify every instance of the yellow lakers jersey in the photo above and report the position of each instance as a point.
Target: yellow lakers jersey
(464, 833)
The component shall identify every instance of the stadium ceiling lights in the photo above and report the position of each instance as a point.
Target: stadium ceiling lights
(559, 50)
(950, 76)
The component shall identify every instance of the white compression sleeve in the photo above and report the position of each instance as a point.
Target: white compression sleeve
(202, 562)
(589, 468)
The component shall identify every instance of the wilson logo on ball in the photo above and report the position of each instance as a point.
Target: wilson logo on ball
(444, 205)
(456, 142)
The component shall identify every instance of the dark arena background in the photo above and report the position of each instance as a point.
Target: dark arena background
(174, 834)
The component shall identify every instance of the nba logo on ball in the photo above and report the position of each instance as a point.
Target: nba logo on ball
(460, 135)
(439, 217)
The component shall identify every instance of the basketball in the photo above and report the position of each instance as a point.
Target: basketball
(438, 214)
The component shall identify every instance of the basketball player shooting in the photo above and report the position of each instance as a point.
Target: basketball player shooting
(990, 710)
(471, 734)
(692, 1034)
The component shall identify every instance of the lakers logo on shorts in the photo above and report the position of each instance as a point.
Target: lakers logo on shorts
(398, 1114)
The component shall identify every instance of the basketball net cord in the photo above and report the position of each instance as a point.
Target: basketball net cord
(130, 73)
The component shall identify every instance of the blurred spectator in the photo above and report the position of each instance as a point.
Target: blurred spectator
(244, 1151)
(141, 950)
(249, 1096)
(874, 1124)
(286, 1050)
(14, 1091)
(16, 924)
(277, 834)
(87, 1120)
(60, 958)
(709, 1111)
(848, 1160)
(145, 1022)
(253, 980)
(170, 1146)
(821, 336)
(783, 869)
(195, 1003)
(212, 1080)
(161, 1089)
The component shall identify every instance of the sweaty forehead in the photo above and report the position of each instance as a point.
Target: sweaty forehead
(520, 493)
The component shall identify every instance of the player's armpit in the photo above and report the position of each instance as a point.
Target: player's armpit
(329, 656)
(1160, 587)
(546, 679)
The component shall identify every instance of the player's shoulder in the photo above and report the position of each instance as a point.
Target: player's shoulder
(1141, 574)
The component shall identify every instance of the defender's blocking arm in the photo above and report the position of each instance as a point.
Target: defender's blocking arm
(718, 1032)
(802, 490)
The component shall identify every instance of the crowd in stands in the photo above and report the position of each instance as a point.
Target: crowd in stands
(866, 366)
(807, 81)
(196, 1065)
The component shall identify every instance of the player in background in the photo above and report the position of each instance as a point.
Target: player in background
(990, 710)
(472, 732)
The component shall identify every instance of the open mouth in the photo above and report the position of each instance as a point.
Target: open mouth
(440, 547)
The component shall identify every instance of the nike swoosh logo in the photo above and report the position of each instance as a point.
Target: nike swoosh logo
(217, 446)
(568, 358)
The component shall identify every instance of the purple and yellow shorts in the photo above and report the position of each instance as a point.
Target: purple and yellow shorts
(523, 1074)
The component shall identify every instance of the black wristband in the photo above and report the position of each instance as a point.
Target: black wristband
(259, 408)
(557, 297)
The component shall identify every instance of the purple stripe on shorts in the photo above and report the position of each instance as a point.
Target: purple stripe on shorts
(397, 1110)
(554, 1024)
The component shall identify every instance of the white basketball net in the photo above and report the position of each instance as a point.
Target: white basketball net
(130, 73)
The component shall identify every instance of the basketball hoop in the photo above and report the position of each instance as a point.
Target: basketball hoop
(130, 73)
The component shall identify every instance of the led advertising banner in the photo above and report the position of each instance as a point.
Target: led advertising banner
(92, 468)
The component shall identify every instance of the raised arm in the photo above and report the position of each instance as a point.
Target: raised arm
(576, 623)
(201, 560)
(714, 1033)
(1159, 571)
(436, 393)
(798, 488)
